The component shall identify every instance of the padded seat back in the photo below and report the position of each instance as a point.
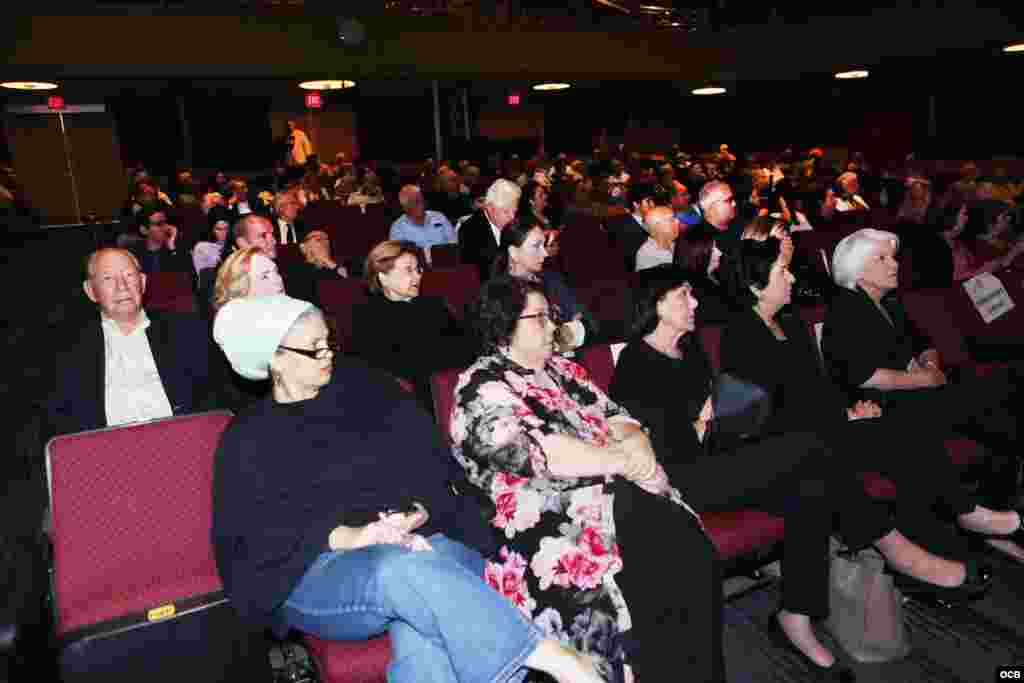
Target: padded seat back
(459, 286)
(170, 291)
(132, 511)
(338, 297)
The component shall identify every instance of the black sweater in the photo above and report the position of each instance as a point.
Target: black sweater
(287, 474)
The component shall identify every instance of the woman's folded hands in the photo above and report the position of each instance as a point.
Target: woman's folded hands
(391, 528)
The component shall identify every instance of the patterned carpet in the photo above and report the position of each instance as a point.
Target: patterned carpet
(964, 645)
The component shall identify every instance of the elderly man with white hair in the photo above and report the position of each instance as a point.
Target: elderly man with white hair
(480, 235)
(418, 225)
(847, 199)
(874, 352)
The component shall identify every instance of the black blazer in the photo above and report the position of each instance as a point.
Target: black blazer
(628, 236)
(477, 245)
(76, 398)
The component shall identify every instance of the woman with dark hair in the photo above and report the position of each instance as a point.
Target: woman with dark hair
(768, 344)
(533, 203)
(664, 378)
(206, 253)
(574, 491)
(521, 254)
(699, 255)
(397, 330)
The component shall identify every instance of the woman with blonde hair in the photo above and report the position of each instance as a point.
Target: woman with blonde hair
(246, 272)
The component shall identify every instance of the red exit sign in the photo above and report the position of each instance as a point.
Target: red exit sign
(314, 101)
(514, 99)
(55, 102)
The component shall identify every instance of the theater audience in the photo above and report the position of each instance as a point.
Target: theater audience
(397, 330)
(159, 251)
(480, 236)
(874, 352)
(126, 364)
(768, 343)
(375, 509)
(846, 199)
(664, 378)
(448, 199)
(238, 197)
(569, 478)
(419, 225)
(206, 253)
(663, 231)
(367, 193)
(252, 230)
(629, 232)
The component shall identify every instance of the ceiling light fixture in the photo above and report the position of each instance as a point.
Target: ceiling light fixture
(1014, 47)
(847, 75)
(28, 85)
(327, 85)
(552, 86)
(712, 90)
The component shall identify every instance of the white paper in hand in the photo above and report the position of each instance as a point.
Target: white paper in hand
(989, 296)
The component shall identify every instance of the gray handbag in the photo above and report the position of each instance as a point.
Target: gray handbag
(866, 608)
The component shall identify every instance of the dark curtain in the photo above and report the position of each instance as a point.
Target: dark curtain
(230, 133)
(148, 131)
(397, 128)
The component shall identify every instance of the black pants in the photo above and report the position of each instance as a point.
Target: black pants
(986, 409)
(796, 477)
(672, 583)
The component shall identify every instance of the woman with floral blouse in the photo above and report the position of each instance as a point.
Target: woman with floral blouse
(560, 465)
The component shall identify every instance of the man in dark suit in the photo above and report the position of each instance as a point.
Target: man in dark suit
(628, 232)
(289, 228)
(126, 365)
(160, 251)
(480, 235)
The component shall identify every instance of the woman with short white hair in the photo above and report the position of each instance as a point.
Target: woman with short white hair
(874, 352)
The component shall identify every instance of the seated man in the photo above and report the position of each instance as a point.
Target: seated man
(629, 232)
(418, 225)
(480, 235)
(847, 199)
(126, 365)
(251, 230)
(291, 229)
(659, 249)
(686, 213)
(159, 251)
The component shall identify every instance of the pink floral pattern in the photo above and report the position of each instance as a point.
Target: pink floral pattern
(558, 556)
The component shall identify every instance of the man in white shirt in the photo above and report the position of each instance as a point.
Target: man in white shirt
(663, 228)
(299, 148)
(126, 365)
(290, 228)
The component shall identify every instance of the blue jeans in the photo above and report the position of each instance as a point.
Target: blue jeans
(446, 624)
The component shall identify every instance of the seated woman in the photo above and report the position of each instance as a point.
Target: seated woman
(246, 272)
(872, 351)
(533, 203)
(305, 530)
(397, 330)
(573, 490)
(768, 344)
(521, 254)
(973, 249)
(664, 378)
(303, 276)
(697, 253)
(206, 254)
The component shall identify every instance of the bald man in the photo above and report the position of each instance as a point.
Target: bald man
(126, 364)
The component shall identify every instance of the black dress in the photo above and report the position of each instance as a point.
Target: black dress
(792, 475)
(858, 339)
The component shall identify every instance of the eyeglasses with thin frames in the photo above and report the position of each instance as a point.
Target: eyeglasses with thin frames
(552, 314)
(315, 354)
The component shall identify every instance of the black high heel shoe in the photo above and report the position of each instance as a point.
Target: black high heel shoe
(837, 673)
(977, 581)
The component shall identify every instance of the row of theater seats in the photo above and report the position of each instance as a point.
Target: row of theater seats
(131, 506)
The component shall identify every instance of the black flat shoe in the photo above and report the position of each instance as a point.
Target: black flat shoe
(976, 584)
(837, 673)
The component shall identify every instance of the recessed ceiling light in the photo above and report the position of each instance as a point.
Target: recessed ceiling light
(709, 91)
(552, 86)
(327, 85)
(1015, 47)
(846, 75)
(28, 85)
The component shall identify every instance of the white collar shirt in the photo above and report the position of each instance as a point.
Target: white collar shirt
(286, 232)
(495, 230)
(133, 390)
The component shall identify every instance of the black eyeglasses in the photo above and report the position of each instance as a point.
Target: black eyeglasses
(315, 354)
(552, 314)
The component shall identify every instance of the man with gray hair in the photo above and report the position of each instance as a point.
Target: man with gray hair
(480, 235)
(418, 225)
(663, 227)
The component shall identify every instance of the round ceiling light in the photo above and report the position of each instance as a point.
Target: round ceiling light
(28, 85)
(327, 85)
(552, 86)
(847, 75)
(1015, 47)
(714, 90)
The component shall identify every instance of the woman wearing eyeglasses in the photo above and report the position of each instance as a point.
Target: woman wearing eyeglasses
(334, 515)
(584, 514)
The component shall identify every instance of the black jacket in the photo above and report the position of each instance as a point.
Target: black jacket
(477, 244)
